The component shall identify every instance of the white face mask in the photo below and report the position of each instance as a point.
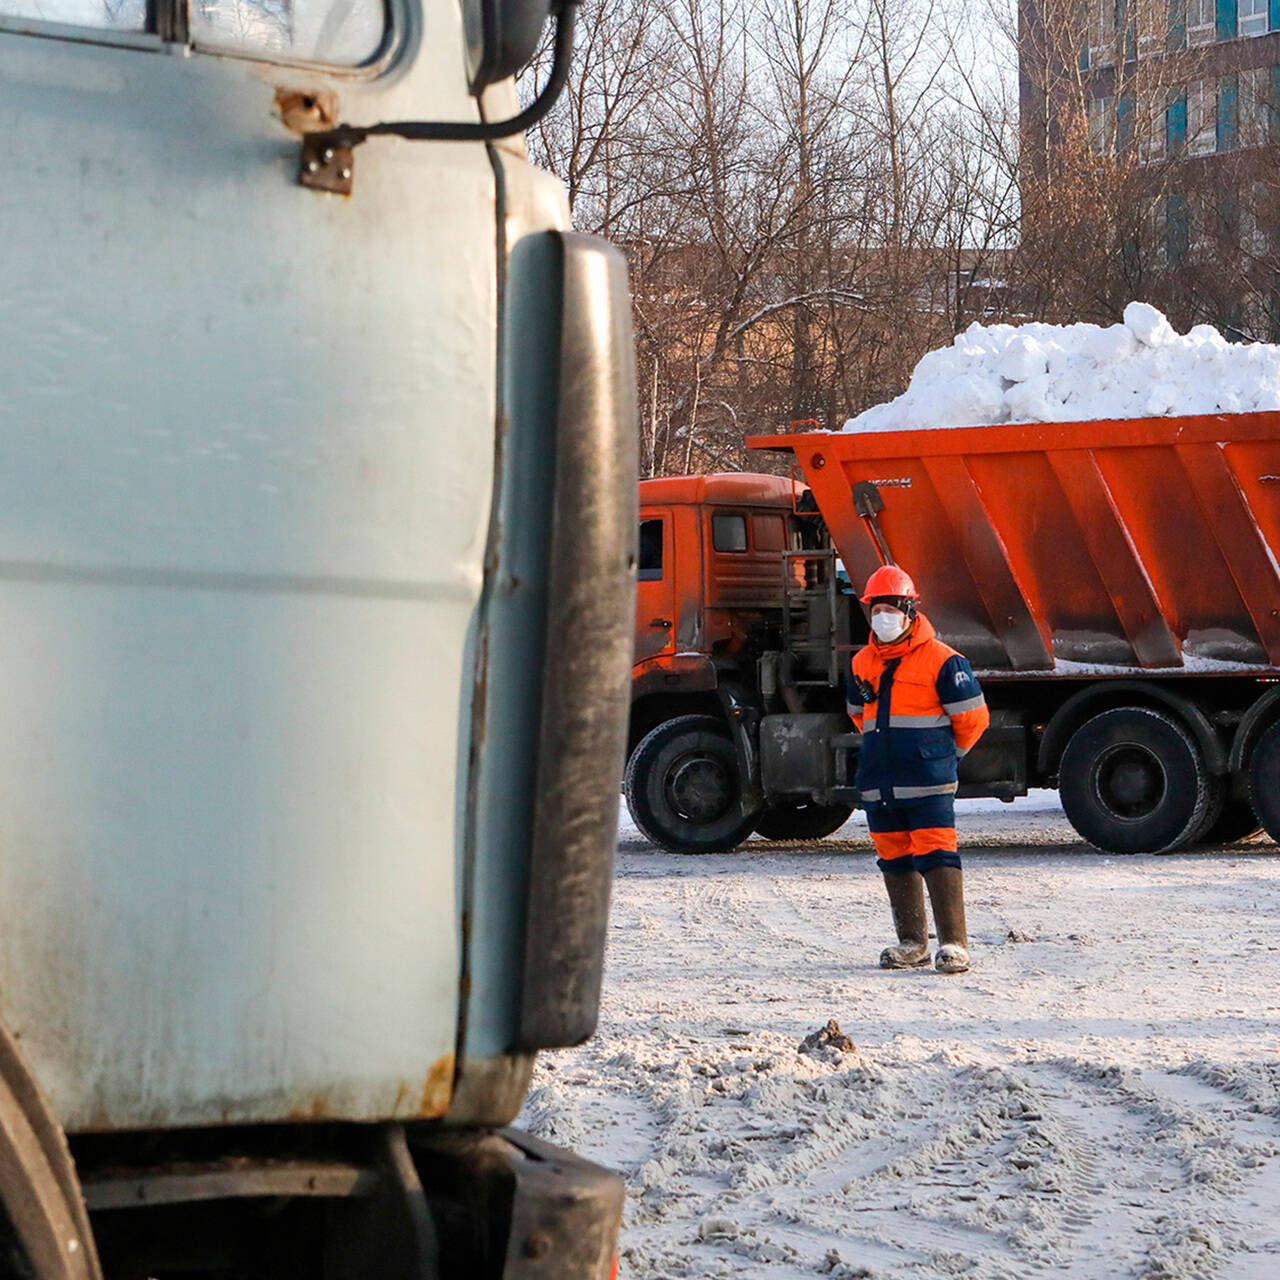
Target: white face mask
(888, 625)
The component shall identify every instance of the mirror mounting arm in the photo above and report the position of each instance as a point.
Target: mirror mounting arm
(327, 157)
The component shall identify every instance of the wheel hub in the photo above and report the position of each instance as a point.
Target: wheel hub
(699, 789)
(1130, 781)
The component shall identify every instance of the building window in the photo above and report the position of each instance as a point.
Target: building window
(1101, 37)
(1176, 37)
(1100, 125)
(1176, 230)
(1175, 125)
(1202, 112)
(1228, 132)
(1201, 19)
(1127, 30)
(1255, 87)
(1124, 125)
(1227, 219)
(1253, 17)
(1226, 19)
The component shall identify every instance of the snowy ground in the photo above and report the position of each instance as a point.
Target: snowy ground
(1098, 1097)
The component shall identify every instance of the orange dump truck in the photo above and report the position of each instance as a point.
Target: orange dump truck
(1115, 585)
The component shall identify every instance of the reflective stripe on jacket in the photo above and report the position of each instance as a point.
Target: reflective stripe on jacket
(919, 708)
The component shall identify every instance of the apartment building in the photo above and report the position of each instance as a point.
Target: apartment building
(1181, 99)
(1177, 78)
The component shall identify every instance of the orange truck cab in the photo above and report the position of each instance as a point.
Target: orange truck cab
(739, 614)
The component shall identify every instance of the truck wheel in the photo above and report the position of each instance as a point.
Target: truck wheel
(683, 789)
(1132, 780)
(1237, 821)
(801, 820)
(1264, 781)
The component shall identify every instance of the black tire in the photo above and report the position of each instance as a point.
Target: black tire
(1236, 821)
(801, 820)
(683, 789)
(1132, 780)
(1264, 781)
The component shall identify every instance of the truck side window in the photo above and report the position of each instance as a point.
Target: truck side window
(340, 32)
(729, 533)
(123, 15)
(650, 569)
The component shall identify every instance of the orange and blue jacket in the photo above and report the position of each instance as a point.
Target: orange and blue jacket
(919, 709)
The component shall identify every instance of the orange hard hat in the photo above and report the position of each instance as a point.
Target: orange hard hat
(889, 580)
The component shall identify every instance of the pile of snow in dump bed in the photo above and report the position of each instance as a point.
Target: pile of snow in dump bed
(1079, 373)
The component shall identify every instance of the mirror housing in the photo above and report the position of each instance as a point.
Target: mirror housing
(510, 31)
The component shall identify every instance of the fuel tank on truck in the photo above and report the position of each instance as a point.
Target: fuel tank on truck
(1071, 548)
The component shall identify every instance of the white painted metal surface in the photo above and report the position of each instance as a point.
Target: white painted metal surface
(246, 437)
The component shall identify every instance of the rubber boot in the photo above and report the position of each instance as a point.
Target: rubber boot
(946, 896)
(906, 900)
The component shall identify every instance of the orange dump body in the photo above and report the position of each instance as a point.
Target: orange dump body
(1150, 543)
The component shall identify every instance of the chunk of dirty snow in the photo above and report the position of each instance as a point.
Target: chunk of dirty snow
(1142, 368)
(717, 1229)
(827, 1040)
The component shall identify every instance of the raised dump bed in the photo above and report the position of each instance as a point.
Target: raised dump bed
(1073, 549)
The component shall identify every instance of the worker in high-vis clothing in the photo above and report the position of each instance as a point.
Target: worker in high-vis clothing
(919, 709)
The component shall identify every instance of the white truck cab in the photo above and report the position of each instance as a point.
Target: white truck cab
(316, 506)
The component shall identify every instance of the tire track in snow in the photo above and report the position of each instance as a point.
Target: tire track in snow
(1149, 1163)
(1121, 1131)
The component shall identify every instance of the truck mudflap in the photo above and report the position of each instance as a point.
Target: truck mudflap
(509, 1207)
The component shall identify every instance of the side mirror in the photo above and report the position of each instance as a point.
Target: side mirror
(508, 36)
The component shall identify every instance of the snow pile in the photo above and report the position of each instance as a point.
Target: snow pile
(1080, 373)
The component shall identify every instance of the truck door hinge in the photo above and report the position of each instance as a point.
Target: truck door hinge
(326, 165)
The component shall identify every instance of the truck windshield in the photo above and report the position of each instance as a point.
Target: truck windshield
(338, 32)
(104, 15)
